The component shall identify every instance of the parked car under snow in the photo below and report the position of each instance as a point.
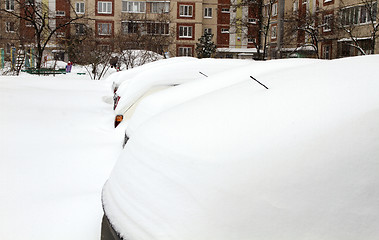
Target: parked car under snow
(298, 160)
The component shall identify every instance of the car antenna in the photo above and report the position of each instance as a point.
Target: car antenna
(259, 82)
(203, 74)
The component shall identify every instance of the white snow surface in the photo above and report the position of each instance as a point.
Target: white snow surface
(297, 161)
(166, 72)
(57, 148)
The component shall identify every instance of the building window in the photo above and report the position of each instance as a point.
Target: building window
(359, 14)
(60, 13)
(157, 28)
(326, 51)
(185, 10)
(61, 34)
(133, 7)
(273, 32)
(160, 7)
(104, 29)
(207, 30)
(9, 5)
(224, 30)
(80, 29)
(274, 9)
(129, 27)
(251, 40)
(252, 20)
(328, 23)
(8, 48)
(225, 10)
(185, 51)
(295, 6)
(79, 7)
(29, 24)
(207, 12)
(104, 7)
(9, 27)
(185, 31)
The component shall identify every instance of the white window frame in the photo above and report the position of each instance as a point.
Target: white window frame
(273, 32)
(208, 30)
(185, 51)
(296, 6)
(252, 20)
(185, 31)
(274, 10)
(133, 6)
(224, 30)
(60, 13)
(9, 5)
(80, 29)
(327, 19)
(160, 7)
(10, 27)
(100, 28)
(80, 7)
(208, 12)
(104, 7)
(185, 10)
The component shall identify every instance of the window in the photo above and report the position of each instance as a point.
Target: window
(251, 40)
(160, 7)
(252, 20)
(29, 2)
(133, 7)
(274, 9)
(208, 30)
(9, 5)
(359, 14)
(224, 30)
(185, 31)
(328, 23)
(157, 28)
(80, 29)
(225, 10)
(273, 32)
(61, 34)
(9, 26)
(60, 13)
(29, 24)
(296, 6)
(104, 28)
(185, 10)
(185, 51)
(8, 48)
(207, 12)
(326, 52)
(130, 27)
(104, 7)
(79, 7)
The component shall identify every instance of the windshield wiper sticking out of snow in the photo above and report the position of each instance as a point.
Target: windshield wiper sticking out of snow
(259, 82)
(203, 74)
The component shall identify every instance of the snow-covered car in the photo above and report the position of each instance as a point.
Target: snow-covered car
(151, 78)
(298, 160)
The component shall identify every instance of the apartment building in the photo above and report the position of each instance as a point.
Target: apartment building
(326, 29)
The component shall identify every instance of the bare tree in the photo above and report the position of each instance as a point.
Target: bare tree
(38, 16)
(140, 40)
(305, 29)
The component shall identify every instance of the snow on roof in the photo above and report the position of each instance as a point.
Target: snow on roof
(296, 161)
(174, 73)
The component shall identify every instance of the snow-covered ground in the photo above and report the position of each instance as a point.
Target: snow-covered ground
(57, 148)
